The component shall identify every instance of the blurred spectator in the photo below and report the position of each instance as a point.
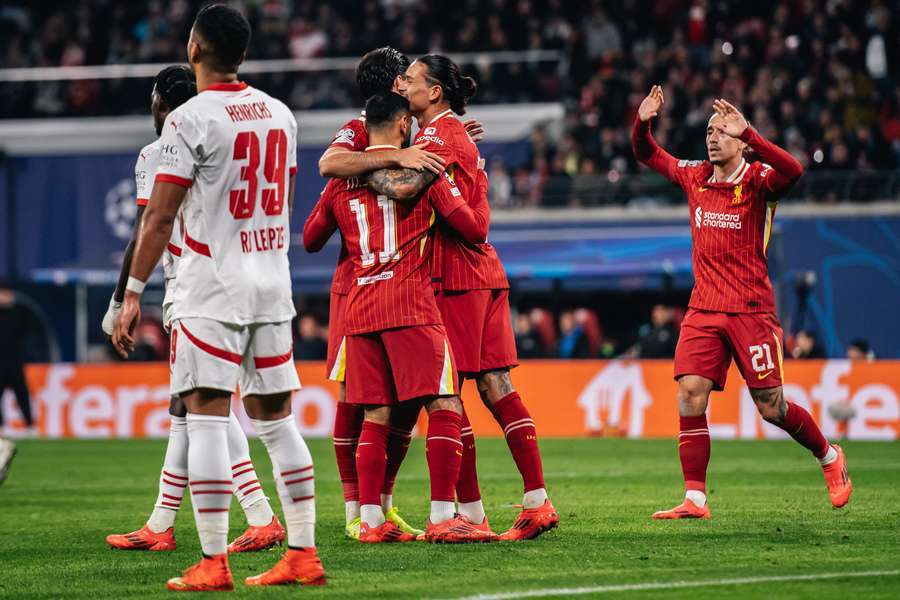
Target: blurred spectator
(859, 349)
(528, 342)
(573, 342)
(17, 322)
(658, 338)
(312, 340)
(806, 345)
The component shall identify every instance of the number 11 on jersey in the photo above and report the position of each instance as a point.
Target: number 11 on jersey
(388, 208)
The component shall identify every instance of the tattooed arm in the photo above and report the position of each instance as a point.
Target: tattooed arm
(400, 184)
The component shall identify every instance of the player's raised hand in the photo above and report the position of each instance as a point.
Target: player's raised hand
(127, 320)
(416, 157)
(475, 129)
(732, 122)
(650, 106)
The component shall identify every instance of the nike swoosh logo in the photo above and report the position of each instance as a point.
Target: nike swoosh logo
(702, 189)
(764, 375)
(458, 453)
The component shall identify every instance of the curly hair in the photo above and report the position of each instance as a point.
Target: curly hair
(378, 69)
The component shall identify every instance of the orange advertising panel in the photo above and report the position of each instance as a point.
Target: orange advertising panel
(566, 398)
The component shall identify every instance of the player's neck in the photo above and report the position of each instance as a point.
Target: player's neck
(430, 113)
(381, 139)
(723, 171)
(207, 78)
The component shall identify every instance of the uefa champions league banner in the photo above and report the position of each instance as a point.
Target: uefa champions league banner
(633, 399)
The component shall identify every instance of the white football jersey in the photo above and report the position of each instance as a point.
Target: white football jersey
(234, 147)
(144, 172)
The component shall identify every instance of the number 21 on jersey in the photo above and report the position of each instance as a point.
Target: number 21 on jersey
(389, 213)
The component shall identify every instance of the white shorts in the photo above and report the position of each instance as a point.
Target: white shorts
(168, 299)
(211, 354)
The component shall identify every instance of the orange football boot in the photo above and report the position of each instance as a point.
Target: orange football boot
(532, 522)
(457, 530)
(211, 574)
(483, 526)
(143, 539)
(296, 567)
(838, 480)
(385, 533)
(258, 538)
(685, 510)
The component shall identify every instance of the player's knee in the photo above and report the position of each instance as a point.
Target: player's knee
(770, 404)
(693, 397)
(177, 407)
(268, 407)
(444, 403)
(493, 386)
(378, 414)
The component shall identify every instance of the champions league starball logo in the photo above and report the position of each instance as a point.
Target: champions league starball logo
(121, 209)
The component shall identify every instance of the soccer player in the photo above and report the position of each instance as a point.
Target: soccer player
(732, 308)
(474, 301)
(381, 70)
(173, 87)
(397, 351)
(227, 162)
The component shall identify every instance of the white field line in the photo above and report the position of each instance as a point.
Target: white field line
(673, 585)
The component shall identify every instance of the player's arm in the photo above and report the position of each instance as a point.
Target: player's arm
(115, 303)
(320, 225)
(467, 220)
(343, 163)
(646, 150)
(785, 171)
(402, 185)
(155, 232)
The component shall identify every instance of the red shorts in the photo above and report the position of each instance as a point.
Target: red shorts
(336, 363)
(709, 340)
(479, 326)
(395, 365)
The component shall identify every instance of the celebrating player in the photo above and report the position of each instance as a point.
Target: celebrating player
(474, 302)
(732, 309)
(380, 71)
(172, 87)
(228, 160)
(396, 347)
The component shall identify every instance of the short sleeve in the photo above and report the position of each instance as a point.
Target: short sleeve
(293, 142)
(351, 136)
(440, 142)
(182, 140)
(144, 171)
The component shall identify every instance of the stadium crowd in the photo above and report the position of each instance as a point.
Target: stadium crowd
(813, 75)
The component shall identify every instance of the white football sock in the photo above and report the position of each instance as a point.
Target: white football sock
(697, 497)
(173, 479)
(244, 482)
(441, 511)
(387, 502)
(351, 510)
(829, 457)
(289, 452)
(371, 515)
(473, 511)
(210, 477)
(535, 498)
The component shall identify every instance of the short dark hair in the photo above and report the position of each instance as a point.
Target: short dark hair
(378, 69)
(175, 85)
(384, 108)
(228, 34)
(458, 88)
(862, 345)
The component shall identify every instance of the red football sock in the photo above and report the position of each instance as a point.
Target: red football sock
(347, 424)
(403, 420)
(693, 448)
(467, 484)
(371, 461)
(802, 427)
(521, 437)
(443, 450)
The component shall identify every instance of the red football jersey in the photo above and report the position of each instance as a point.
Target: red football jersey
(460, 265)
(354, 137)
(389, 248)
(731, 222)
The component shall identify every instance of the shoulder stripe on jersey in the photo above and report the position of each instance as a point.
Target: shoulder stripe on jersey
(167, 178)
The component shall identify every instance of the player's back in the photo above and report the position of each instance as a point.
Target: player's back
(390, 248)
(235, 147)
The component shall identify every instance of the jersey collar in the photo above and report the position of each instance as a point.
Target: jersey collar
(735, 177)
(438, 116)
(236, 86)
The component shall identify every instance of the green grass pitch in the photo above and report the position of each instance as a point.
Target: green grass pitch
(771, 517)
